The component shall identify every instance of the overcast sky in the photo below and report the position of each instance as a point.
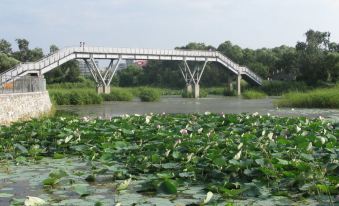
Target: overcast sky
(166, 23)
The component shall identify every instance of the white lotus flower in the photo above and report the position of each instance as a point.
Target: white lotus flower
(137, 115)
(125, 116)
(323, 140)
(68, 138)
(34, 201)
(240, 145)
(237, 156)
(207, 113)
(200, 130)
(270, 136)
(167, 152)
(310, 146)
(124, 184)
(298, 129)
(208, 198)
(189, 157)
(148, 119)
(255, 114)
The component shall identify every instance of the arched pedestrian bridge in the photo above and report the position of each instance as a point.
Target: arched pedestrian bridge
(115, 55)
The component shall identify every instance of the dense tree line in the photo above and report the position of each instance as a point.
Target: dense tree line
(68, 72)
(314, 60)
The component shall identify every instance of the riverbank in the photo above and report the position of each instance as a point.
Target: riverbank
(174, 157)
(318, 98)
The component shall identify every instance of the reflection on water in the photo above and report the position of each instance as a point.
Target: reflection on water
(176, 104)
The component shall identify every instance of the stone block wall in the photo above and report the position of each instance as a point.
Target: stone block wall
(23, 106)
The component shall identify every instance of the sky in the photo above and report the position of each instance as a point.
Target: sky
(166, 23)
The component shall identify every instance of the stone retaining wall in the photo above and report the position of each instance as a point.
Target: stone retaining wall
(23, 106)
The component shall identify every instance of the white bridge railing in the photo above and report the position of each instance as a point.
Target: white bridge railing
(54, 59)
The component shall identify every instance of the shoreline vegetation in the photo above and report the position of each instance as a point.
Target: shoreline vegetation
(318, 98)
(293, 94)
(233, 157)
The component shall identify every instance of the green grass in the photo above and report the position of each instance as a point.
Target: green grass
(278, 88)
(318, 98)
(87, 84)
(253, 94)
(74, 96)
(149, 95)
(118, 94)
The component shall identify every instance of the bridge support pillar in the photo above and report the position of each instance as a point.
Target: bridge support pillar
(103, 89)
(239, 83)
(192, 78)
(229, 84)
(196, 90)
(103, 80)
(189, 89)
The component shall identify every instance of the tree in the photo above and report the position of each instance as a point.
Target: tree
(25, 54)
(53, 48)
(130, 76)
(5, 47)
(23, 44)
(6, 62)
(233, 52)
(312, 57)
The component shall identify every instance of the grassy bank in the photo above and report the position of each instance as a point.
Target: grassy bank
(74, 96)
(238, 157)
(318, 98)
(253, 94)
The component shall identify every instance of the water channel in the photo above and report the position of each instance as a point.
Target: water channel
(176, 104)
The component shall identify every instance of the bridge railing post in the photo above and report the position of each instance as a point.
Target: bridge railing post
(239, 83)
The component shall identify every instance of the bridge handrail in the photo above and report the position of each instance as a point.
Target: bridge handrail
(58, 55)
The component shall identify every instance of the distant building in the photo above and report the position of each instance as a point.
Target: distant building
(141, 63)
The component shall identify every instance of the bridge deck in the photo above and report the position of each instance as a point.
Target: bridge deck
(64, 55)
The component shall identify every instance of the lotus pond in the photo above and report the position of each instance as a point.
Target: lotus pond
(171, 159)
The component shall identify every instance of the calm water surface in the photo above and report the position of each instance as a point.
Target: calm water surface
(176, 104)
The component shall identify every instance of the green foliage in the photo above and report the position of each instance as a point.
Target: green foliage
(68, 72)
(253, 94)
(149, 95)
(118, 94)
(318, 98)
(228, 92)
(83, 84)
(25, 54)
(5, 47)
(130, 76)
(7, 62)
(234, 156)
(277, 88)
(74, 96)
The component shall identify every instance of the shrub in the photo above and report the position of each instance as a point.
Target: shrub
(149, 95)
(118, 94)
(228, 92)
(74, 96)
(253, 94)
